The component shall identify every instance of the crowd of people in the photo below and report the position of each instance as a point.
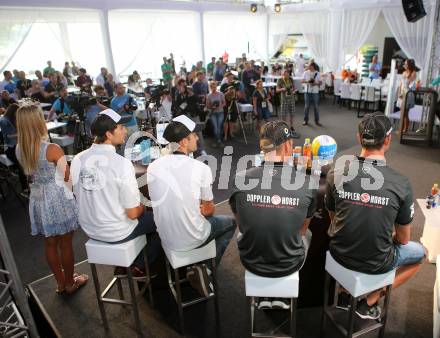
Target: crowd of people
(99, 192)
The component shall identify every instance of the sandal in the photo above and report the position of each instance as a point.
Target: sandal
(60, 291)
(78, 281)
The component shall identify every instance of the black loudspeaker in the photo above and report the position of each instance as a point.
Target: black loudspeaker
(413, 9)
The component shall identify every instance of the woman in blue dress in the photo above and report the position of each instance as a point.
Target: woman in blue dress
(52, 208)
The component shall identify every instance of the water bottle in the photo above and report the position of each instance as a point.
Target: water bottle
(145, 151)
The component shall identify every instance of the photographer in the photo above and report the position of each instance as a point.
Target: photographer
(312, 80)
(124, 105)
(60, 106)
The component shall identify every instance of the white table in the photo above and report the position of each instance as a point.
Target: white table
(72, 89)
(431, 230)
(54, 125)
(267, 84)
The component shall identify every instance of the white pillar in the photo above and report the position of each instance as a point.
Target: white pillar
(202, 37)
(105, 30)
(65, 42)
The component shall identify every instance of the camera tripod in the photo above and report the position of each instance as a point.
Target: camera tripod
(81, 140)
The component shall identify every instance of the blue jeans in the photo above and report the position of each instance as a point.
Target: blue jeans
(263, 113)
(409, 254)
(222, 230)
(217, 123)
(311, 99)
(145, 226)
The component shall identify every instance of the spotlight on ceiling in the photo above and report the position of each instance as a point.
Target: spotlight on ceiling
(277, 8)
(254, 8)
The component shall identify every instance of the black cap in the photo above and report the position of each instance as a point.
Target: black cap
(374, 128)
(179, 128)
(273, 134)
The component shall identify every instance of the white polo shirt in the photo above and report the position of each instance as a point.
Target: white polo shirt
(177, 184)
(104, 184)
(308, 75)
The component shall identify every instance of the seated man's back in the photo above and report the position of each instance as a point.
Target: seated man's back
(361, 232)
(176, 184)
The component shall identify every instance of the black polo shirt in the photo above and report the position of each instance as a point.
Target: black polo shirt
(270, 216)
(361, 232)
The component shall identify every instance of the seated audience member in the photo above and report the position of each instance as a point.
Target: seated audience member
(8, 127)
(181, 194)
(60, 106)
(52, 88)
(92, 111)
(83, 81)
(7, 83)
(370, 225)
(62, 79)
(35, 92)
(75, 69)
(277, 69)
(44, 81)
(16, 76)
(6, 100)
(107, 192)
(134, 79)
(102, 77)
(348, 76)
(124, 105)
(165, 112)
(23, 84)
(49, 69)
(273, 241)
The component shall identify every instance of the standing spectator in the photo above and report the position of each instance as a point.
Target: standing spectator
(172, 63)
(215, 103)
(167, 73)
(8, 127)
(52, 208)
(67, 72)
(300, 63)
(286, 88)
(260, 101)
(277, 69)
(231, 92)
(220, 69)
(248, 77)
(374, 68)
(200, 87)
(406, 98)
(49, 69)
(75, 69)
(110, 85)
(312, 81)
(210, 68)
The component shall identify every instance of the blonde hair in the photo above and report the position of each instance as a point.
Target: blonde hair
(31, 130)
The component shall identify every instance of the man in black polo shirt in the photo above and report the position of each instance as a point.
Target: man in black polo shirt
(371, 207)
(273, 216)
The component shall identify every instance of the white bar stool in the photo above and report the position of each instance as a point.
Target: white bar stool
(281, 287)
(357, 284)
(123, 255)
(178, 259)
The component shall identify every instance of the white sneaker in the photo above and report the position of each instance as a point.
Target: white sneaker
(280, 304)
(264, 304)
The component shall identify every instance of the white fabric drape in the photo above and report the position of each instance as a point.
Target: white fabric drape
(235, 33)
(140, 39)
(357, 26)
(46, 34)
(315, 28)
(413, 37)
(280, 26)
